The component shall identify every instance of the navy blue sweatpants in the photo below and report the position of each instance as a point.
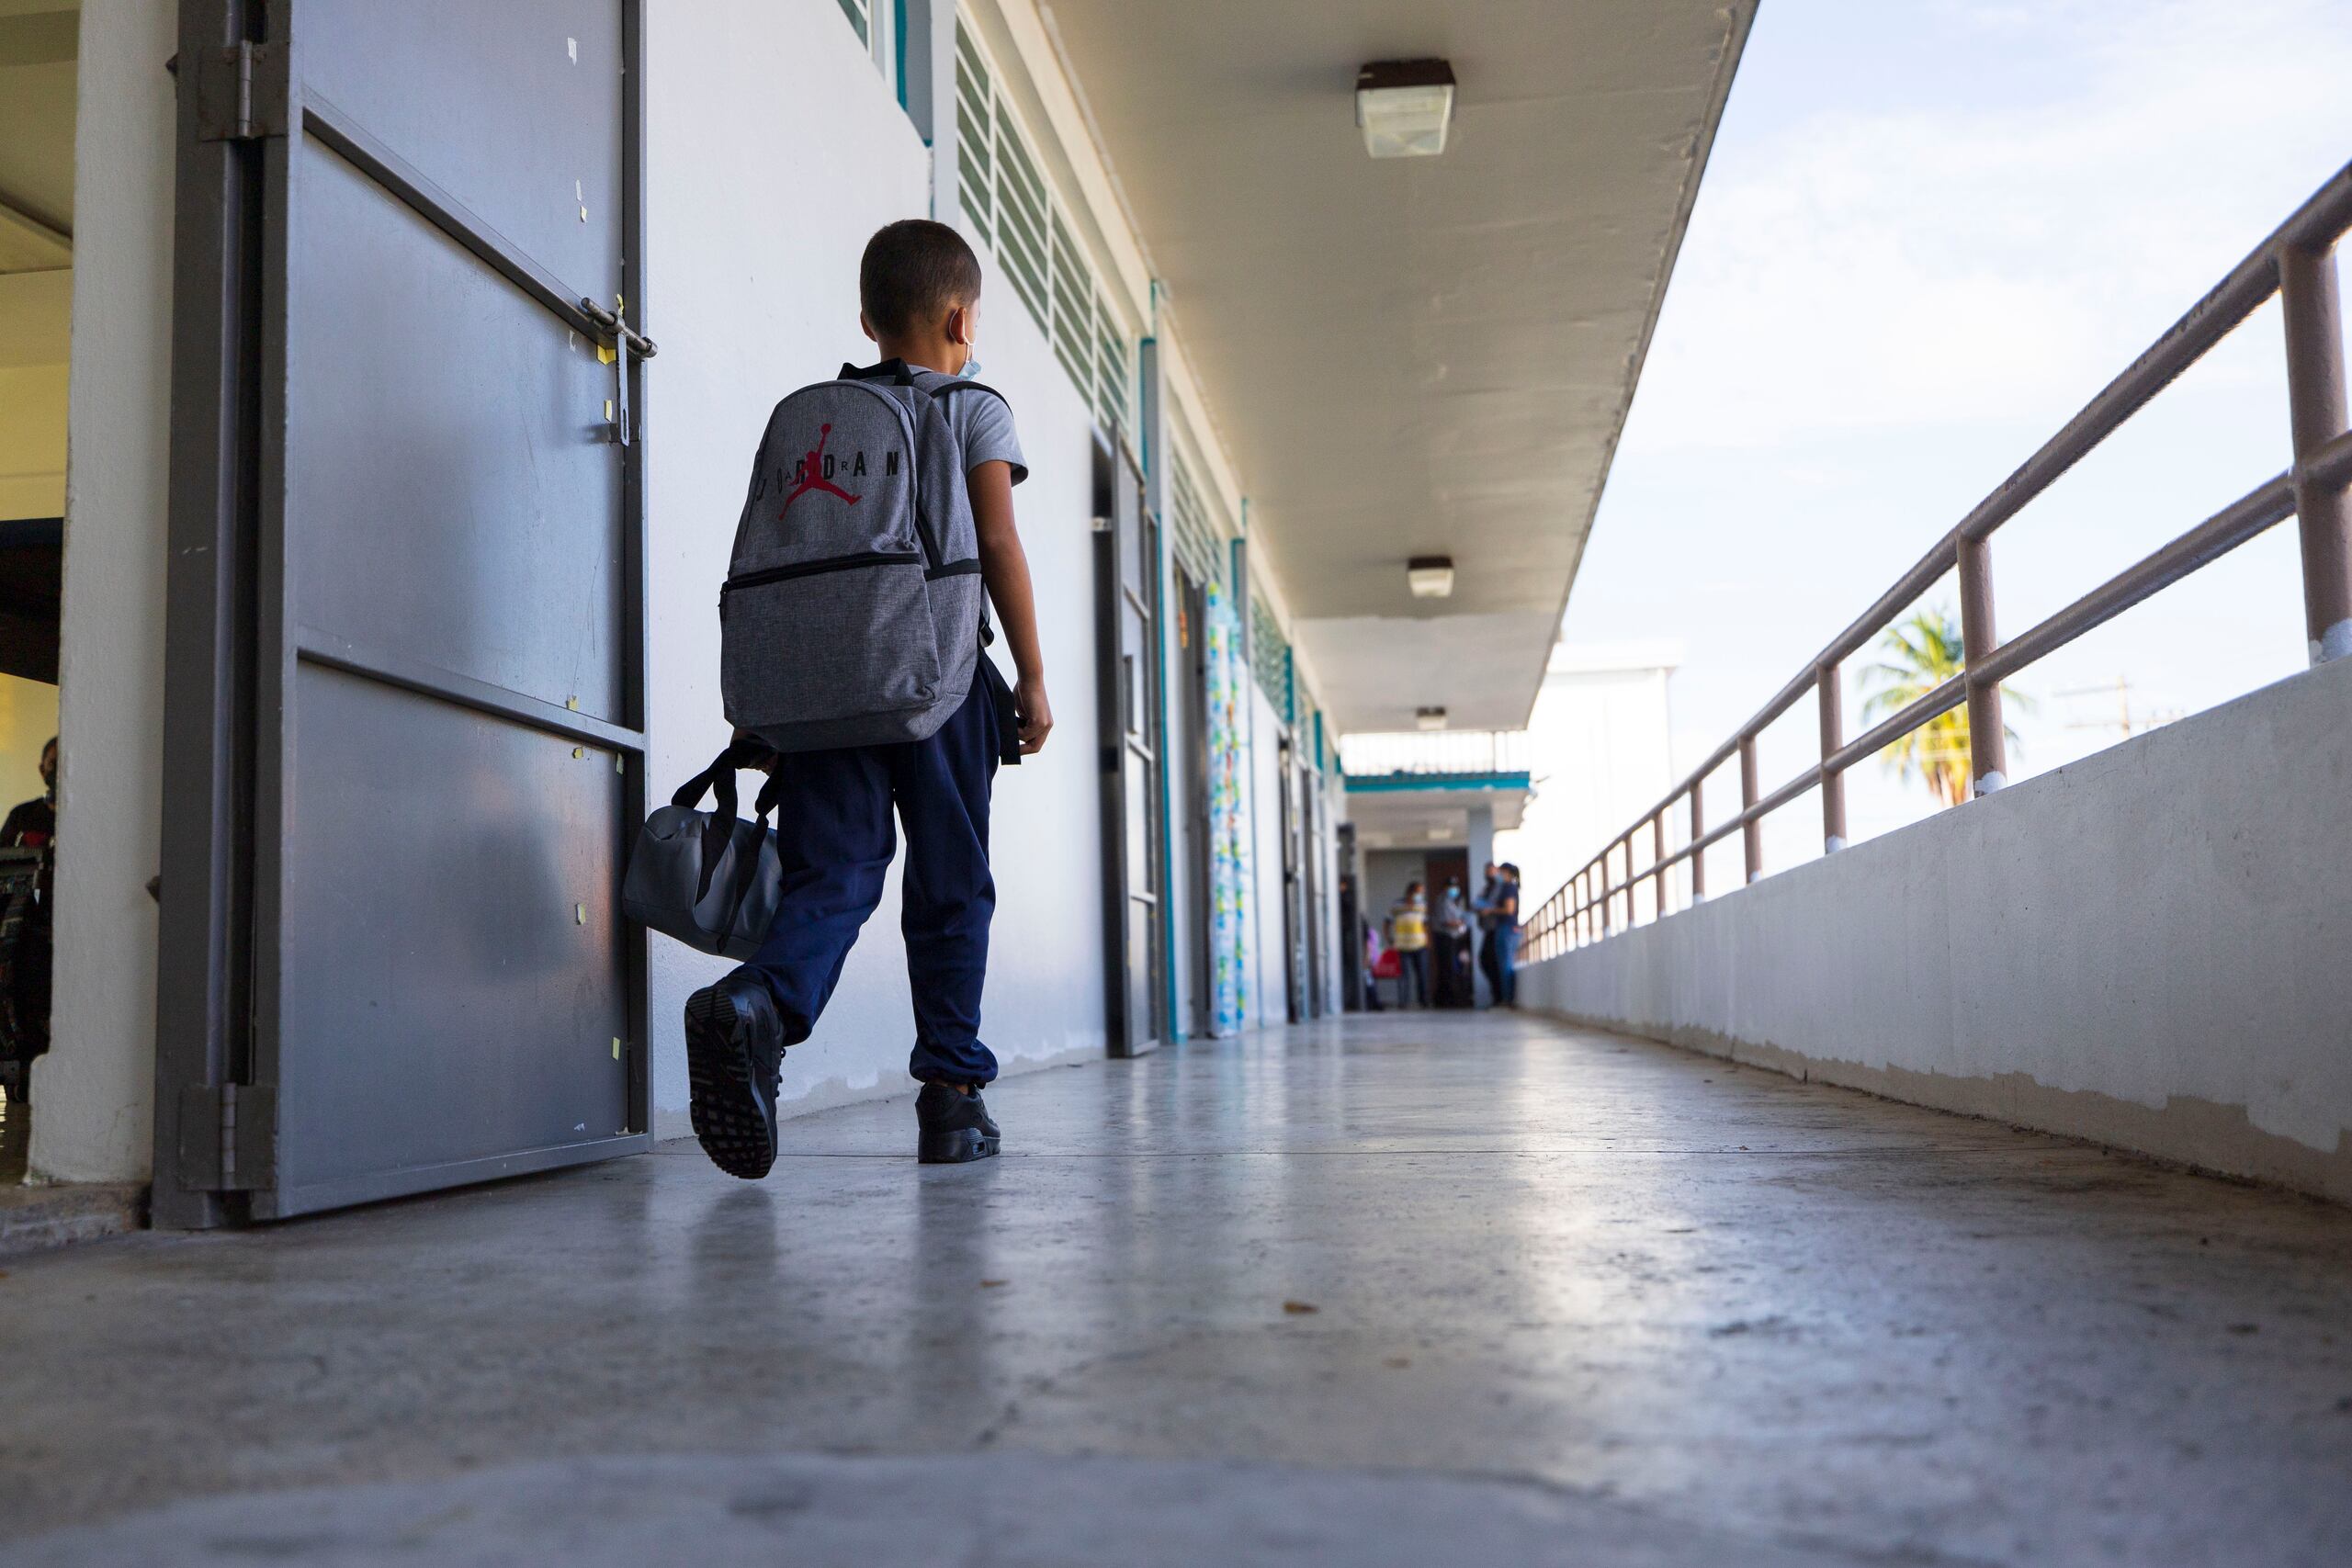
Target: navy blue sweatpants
(834, 836)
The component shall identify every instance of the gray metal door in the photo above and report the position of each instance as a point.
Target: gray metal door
(1126, 558)
(1192, 676)
(1295, 1004)
(405, 688)
(1312, 836)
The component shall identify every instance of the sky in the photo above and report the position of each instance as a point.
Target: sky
(1928, 232)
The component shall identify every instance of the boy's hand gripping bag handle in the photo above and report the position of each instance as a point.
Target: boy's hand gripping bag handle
(709, 880)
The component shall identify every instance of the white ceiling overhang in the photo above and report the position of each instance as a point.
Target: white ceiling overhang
(1426, 356)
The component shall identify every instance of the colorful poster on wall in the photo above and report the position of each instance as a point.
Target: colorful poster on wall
(1228, 815)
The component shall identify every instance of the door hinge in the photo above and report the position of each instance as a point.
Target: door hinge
(242, 93)
(228, 1137)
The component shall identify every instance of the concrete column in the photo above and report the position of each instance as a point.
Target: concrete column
(1482, 850)
(1482, 840)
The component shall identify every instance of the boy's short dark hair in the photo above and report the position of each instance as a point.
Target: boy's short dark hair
(915, 271)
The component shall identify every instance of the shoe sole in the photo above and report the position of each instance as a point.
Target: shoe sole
(724, 1106)
(955, 1147)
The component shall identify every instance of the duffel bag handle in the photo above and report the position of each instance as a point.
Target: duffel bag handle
(721, 776)
(718, 779)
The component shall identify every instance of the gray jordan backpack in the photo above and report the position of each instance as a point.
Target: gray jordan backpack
(853, 609)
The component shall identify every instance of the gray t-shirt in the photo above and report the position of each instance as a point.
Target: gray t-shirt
(983, 423)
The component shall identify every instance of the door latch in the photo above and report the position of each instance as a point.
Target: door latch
(614, 324)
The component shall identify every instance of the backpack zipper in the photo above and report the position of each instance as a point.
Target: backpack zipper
(766, 575)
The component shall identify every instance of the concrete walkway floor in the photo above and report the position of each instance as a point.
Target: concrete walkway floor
(1396, 1290)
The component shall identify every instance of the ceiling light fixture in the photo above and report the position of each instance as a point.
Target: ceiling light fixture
(1431, 577)
(1429, 718)
(1404, 107)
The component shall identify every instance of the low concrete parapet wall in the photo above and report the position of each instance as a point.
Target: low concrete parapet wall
(2151, 947)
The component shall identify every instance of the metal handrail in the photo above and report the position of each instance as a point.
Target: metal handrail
(2297, 262)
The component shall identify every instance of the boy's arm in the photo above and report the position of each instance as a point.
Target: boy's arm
(1004, 567)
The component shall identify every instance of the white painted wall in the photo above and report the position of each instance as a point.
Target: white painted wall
(32, 431)
(1387, 875)
(95, 1087)
(2146, 947)
(775, 150)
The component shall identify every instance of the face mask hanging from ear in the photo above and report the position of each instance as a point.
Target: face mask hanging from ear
(971, 364)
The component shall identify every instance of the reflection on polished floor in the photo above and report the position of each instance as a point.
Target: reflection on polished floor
(1597, 1300)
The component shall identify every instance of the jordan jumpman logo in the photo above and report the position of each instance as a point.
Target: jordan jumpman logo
(812, 475)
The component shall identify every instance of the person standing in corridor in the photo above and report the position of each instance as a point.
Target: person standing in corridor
(1482, 906)
(1506, 937)
(918, 288)
(1451, 983)
(1408, 928)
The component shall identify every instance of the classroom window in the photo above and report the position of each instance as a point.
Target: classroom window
(877, 24)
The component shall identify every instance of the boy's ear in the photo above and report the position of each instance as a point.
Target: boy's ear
(866, 327)
(959, 326)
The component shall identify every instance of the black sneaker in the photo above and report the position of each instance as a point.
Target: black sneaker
(951, 1127)
(734, 1056)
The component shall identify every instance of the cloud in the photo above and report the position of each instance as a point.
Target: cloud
(1942, 263)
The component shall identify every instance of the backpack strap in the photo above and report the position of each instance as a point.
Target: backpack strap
(965, 384)
(895, 371)
(899, 373)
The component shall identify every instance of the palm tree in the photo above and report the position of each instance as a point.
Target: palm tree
(1922, 653)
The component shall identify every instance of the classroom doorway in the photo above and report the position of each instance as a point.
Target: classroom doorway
(1192, 708)
(1128, 651)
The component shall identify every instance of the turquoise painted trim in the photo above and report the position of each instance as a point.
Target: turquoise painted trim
(1402, 784)
(1174, 1029)
(1147, 457)
(899, 11)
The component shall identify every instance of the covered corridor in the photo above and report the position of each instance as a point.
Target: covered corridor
(1575, 1297)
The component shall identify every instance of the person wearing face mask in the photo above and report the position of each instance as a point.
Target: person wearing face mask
(1449, 949)
(1409, 935)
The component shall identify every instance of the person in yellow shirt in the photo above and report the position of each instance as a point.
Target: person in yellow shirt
(1408, 934)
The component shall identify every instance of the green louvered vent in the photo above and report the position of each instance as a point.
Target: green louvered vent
(1113, 384)
(1195, 537)
(1073, 311)
(1008, 204)
(1269, 654)
(1021, 221)
(974, 162)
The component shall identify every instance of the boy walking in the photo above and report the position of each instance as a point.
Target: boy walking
(919, 287)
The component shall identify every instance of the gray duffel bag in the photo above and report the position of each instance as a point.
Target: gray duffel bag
(707, 879)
